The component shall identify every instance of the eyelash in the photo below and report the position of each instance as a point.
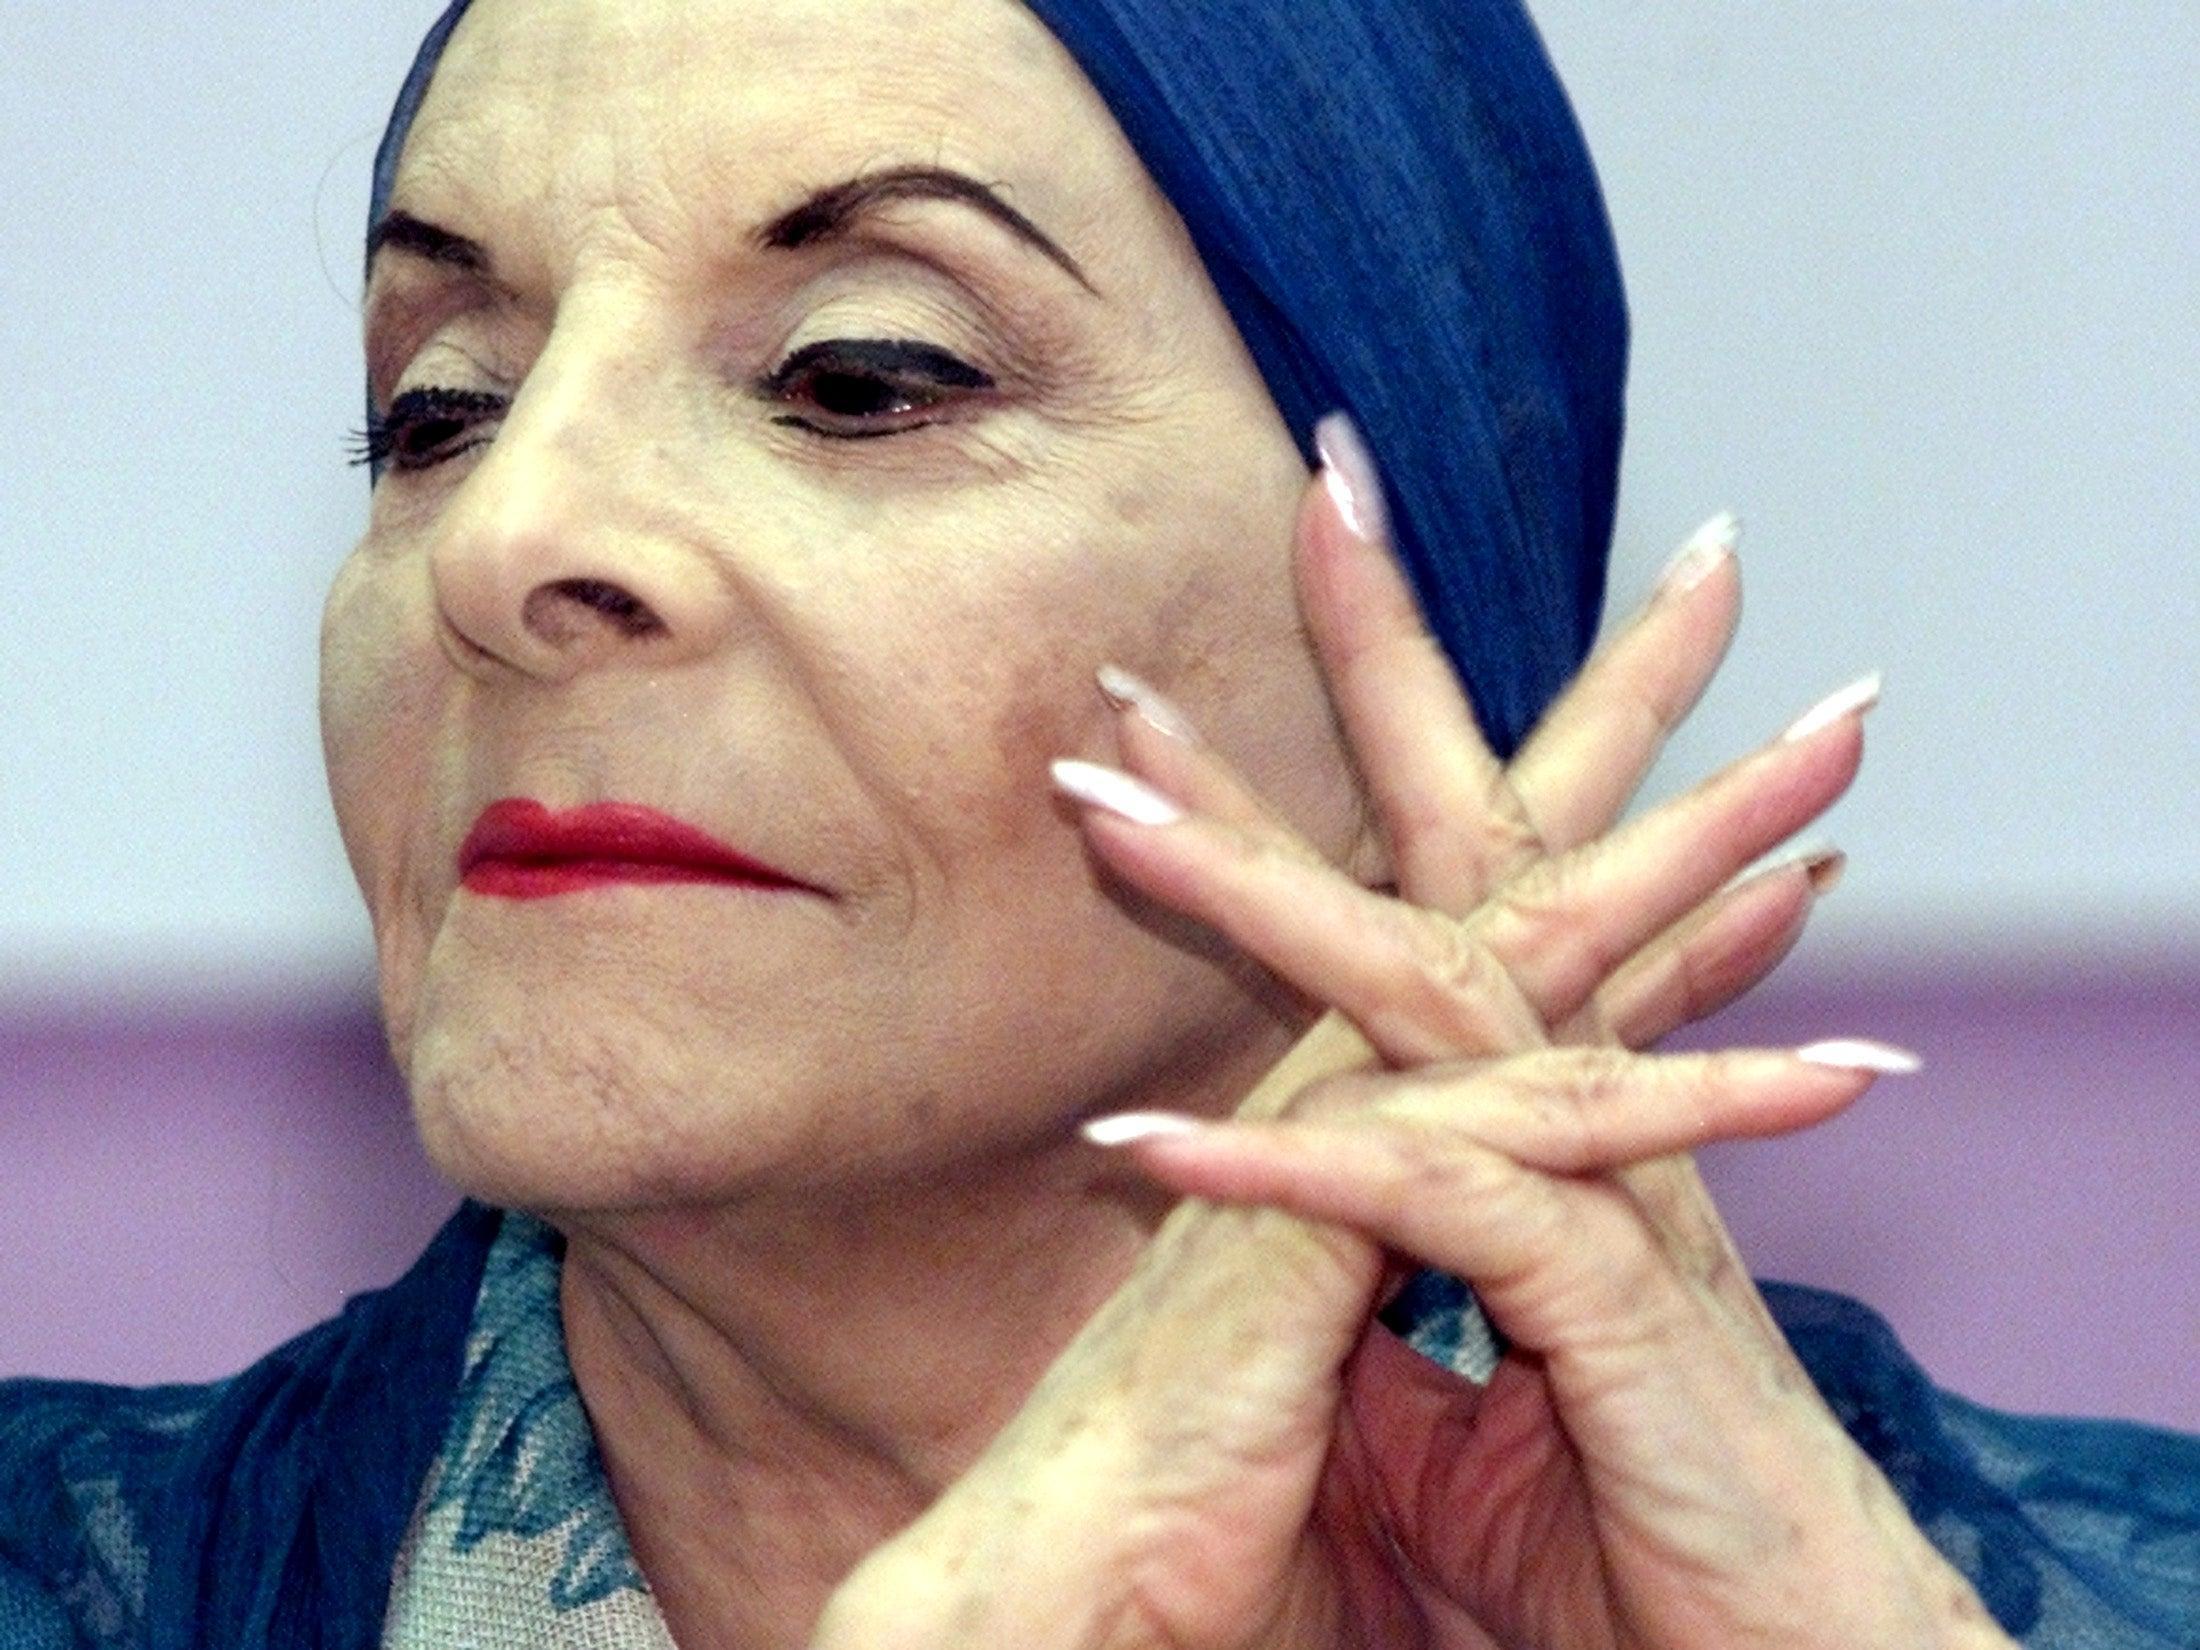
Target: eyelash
(913, 373)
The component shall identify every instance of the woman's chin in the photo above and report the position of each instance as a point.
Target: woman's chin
(571, 1067)
(527, 1096)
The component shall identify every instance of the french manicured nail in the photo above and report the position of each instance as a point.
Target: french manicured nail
(1860, 695)
(1348, 471)
(1124, 1127)
(1821, 861)
(1696, 560)
(1115, 791)
(1128, 692)
(1860, 1054)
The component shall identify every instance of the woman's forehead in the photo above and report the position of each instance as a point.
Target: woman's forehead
(538, 103)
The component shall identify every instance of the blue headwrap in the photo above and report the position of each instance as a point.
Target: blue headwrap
(1395, 203)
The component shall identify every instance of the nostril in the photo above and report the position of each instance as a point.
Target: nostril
(612, 602)
(625, 610)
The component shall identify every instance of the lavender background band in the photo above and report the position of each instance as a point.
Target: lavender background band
(181, 1188)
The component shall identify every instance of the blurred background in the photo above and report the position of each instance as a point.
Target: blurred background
(1916, 291)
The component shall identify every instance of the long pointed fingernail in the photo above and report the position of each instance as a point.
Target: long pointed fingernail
(1127, 692)
(1697, 559)
(1859, 696)
(1348, 471)
(1116, 792)
(1860, 1054)
(1821, 861)
(1123, 1127)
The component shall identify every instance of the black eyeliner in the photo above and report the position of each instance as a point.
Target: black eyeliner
(376, 445)
(883, 355)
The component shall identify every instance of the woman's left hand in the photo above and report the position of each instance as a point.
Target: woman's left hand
(1231, 1455)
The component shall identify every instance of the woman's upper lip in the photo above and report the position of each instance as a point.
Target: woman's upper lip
(523, 830)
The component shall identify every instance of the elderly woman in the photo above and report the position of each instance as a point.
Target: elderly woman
(914, 1203)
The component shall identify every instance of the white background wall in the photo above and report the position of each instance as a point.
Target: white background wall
(1916, 290)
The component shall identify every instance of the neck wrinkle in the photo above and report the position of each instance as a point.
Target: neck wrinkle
(780, 1384)
(776, 1395)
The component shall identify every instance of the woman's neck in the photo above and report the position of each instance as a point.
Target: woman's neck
(777, 1391)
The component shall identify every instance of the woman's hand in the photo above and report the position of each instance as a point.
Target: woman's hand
(1231, 1454)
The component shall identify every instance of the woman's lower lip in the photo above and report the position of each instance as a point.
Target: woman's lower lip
(520, 879)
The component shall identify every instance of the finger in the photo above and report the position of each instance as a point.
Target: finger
(1161, 744)
(1453, 825)
(1421, 987)
(1581, 1111)
(1411, 980)
(1711, 957)
(1565, 926)
(1268, 870)
(1469, 1167)
(1588, 755)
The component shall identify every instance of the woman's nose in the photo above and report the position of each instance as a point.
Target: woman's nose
(549, 562)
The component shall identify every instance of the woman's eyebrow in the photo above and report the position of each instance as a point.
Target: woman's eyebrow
(833, 209)
(403, 232)
(825, 213)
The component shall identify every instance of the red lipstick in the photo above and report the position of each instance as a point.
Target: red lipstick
(519, 849)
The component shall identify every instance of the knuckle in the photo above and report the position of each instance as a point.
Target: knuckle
(1567, 1103)
(1457, 982)
(1427, 1118)
(1607, 1021)
(1605, 1075)
(1549, 914)
(1509, 833)
(1425, 1153)
(1439, 1157)
(1538, 908)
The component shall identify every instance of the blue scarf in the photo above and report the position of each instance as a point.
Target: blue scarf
(266, 1512)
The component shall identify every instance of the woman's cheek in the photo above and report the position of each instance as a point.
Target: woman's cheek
(381, 685)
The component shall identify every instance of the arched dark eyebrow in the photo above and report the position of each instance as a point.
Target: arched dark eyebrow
(832, 210)
(422, 239)
(827, 212)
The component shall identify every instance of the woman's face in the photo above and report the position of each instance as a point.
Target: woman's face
(836, 609)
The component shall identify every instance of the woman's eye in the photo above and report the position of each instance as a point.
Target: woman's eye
(861, 387)
(869, 386)
(424, 428)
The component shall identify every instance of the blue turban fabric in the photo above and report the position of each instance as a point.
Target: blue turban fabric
(1396, 205)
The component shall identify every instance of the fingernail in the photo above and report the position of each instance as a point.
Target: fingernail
(1348, 471)
(1696, 560)
(1860, 1054)
(1127, 692)
(1115, 791)
(1821, 861)
(1859, 696)
(1123, 1127)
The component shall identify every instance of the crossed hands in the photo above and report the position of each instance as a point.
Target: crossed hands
(1233, 1454)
